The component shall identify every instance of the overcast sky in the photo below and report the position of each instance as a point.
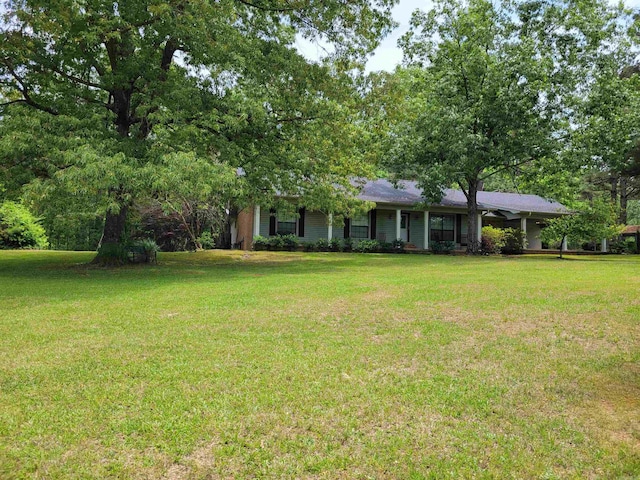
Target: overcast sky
(388, 55)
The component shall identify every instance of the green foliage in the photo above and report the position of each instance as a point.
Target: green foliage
(398, 245)
(322, 245)
(515, 241)
(623, 245)
(260, 242)
(142, 251)
(19, 228)
(492, 240)
(137, 99)
(206, 240)
(289, 242)
(590, 223)
(113, 254)
(335, 245)
(443, 247)
(367, 246)
(346, 245)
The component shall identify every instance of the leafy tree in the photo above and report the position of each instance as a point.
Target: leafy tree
(490, 82)
(19, 228)
(135, 83)
(592, 222)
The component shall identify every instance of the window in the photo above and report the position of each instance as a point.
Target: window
(360, 227)
(286, 223)
(442, 228)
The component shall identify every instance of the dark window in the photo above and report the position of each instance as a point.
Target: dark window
(286, 223)
(442, 228)
(360, 227)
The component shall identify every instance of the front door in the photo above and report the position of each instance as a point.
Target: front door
(404, 227)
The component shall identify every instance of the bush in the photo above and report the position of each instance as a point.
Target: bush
(276, 243)
(367, 246)
(19, 228)
(206, 240)
(260, 243)
(289, 242)
(398, 245)
(335, 245)
(492, 241)
(386, 247)
(144, 251)
(622, 245)
(322, 245)
(347, 245)
(308, 246)
(515, 241)
(443, 247)
(112, 254)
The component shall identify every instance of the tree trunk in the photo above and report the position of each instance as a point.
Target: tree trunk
(473, 242)
(624, 196)
(110, 250)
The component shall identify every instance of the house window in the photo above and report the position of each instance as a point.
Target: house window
(442, 228)
(360, 227)
(286, 223)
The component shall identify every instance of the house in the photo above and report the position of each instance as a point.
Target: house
(400, 214)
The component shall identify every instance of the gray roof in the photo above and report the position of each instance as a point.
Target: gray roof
(383, 192)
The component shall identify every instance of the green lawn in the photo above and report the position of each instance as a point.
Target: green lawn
(236, 365)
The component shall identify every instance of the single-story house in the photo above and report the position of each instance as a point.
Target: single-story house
(632, 231)
(400, 214)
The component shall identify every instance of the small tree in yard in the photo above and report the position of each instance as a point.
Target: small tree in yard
(592, 222)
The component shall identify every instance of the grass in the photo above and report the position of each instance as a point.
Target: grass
(277, 365)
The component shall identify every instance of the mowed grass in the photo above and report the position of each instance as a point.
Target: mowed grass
(278, 365)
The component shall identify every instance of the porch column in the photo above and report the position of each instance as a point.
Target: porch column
(398, 222)
(256, 220)
(330, 229)
(523, 224)
(479, 227)
(563, 247)
(426, 230)
(603, 246)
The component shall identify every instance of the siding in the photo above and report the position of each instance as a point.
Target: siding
(315, 225)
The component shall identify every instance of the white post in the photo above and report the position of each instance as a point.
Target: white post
(256, 220)
(330, 229)
(426, 230)
(563, 247)
(479, 227)
(398, 223)
(603, 246)
(523, 224)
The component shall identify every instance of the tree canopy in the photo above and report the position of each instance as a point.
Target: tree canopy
(493, 87)
(137, 84)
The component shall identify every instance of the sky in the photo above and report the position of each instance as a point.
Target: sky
(388, 55)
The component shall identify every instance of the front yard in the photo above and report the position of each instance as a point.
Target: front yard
(319, 365)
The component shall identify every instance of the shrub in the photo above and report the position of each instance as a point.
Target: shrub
(492, 241)
(622, 245)
(289, 242)
(276, 243)
(308, 246)
(347, 244)
(398, 245)
(386, 247)
(443, 247)
(144, 251)
(322, 245)
(335, 245)
(112, 254)
(367, 246)
(19, 228)
(515, 241)
(206, 240)
(260, 243)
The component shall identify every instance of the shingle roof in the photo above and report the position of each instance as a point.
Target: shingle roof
(383, 192)
(631, 230)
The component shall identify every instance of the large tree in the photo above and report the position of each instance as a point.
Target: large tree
(488, 84)
(135, 83)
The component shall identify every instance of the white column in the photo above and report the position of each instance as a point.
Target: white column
(563, 247)
(426, 230)
(479, 227)
(523, 224)
(256, 220)
(330, 229)
(603, 246)
(398, 222)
